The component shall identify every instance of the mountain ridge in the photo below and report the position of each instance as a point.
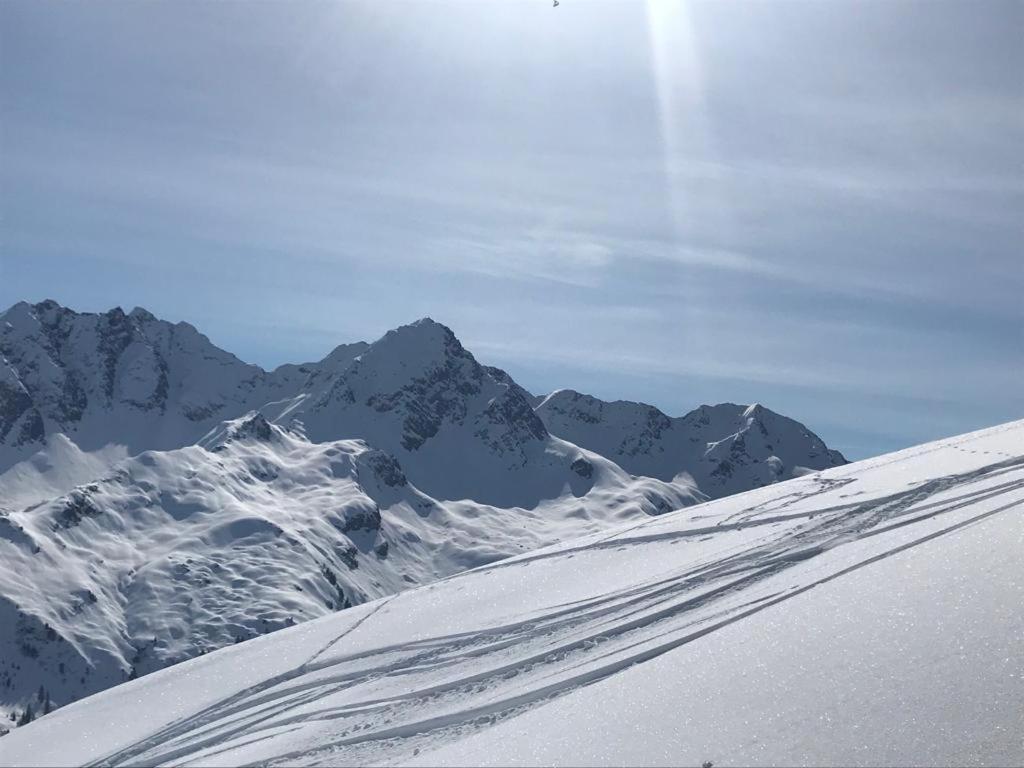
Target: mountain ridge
(65, 372)
(144, 431)
(711, 444)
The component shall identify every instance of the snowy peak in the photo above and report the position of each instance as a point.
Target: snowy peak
(252, 426)
(756, 443)
(412, 364)
(112, 377)
(462, 430)
(724, 448)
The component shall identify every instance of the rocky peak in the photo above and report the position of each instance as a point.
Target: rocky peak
(74, 369)
(142, 315)
(421, 346)
(254, 427)
(725, 448)
(421, 376)
(251, 427)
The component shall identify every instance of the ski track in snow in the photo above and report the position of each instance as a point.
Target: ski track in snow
(386, 703)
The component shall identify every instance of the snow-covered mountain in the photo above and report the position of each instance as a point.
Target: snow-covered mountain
(161, 498)
(723, 448)
(86, 389)
(82, 390)
(460, 430)
(178, 553)
(864, 615)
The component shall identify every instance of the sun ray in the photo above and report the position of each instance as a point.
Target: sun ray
(698, 214)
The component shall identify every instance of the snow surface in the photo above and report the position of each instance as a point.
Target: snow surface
(868, 614)
(178, 553)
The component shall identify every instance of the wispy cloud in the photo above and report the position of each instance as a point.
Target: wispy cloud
(820, 199)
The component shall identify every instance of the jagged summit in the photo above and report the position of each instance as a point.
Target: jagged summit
(723, 448)
(113, 378)
(252, 426)
(462, 430)
(425, 323)
(143, 383)
(412, 351)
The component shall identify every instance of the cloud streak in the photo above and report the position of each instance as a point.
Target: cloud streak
(813, 203)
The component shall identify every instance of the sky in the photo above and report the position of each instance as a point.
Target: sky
(816, 205)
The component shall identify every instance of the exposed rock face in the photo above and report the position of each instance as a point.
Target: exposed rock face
(724, 448)
(113, 377)
(459, 429)
(20, 422)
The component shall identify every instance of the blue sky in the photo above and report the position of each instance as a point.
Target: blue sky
(814, 205)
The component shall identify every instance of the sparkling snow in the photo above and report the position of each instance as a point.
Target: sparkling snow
(865, 615)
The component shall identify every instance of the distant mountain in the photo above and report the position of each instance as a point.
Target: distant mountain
(111, 384)
(461, 430)
(724, 448)
(159, 498)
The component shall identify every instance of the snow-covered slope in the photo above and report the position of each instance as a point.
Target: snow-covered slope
(868, 614)
(178, 553)
(460, 430)
(113, 384)
(80, 390)
(723, 448)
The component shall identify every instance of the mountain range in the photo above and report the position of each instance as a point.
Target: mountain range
(161, 499)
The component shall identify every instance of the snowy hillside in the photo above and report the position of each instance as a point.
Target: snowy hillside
(865, 615)
(723, 448)
(80, 391)
(178, 553)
